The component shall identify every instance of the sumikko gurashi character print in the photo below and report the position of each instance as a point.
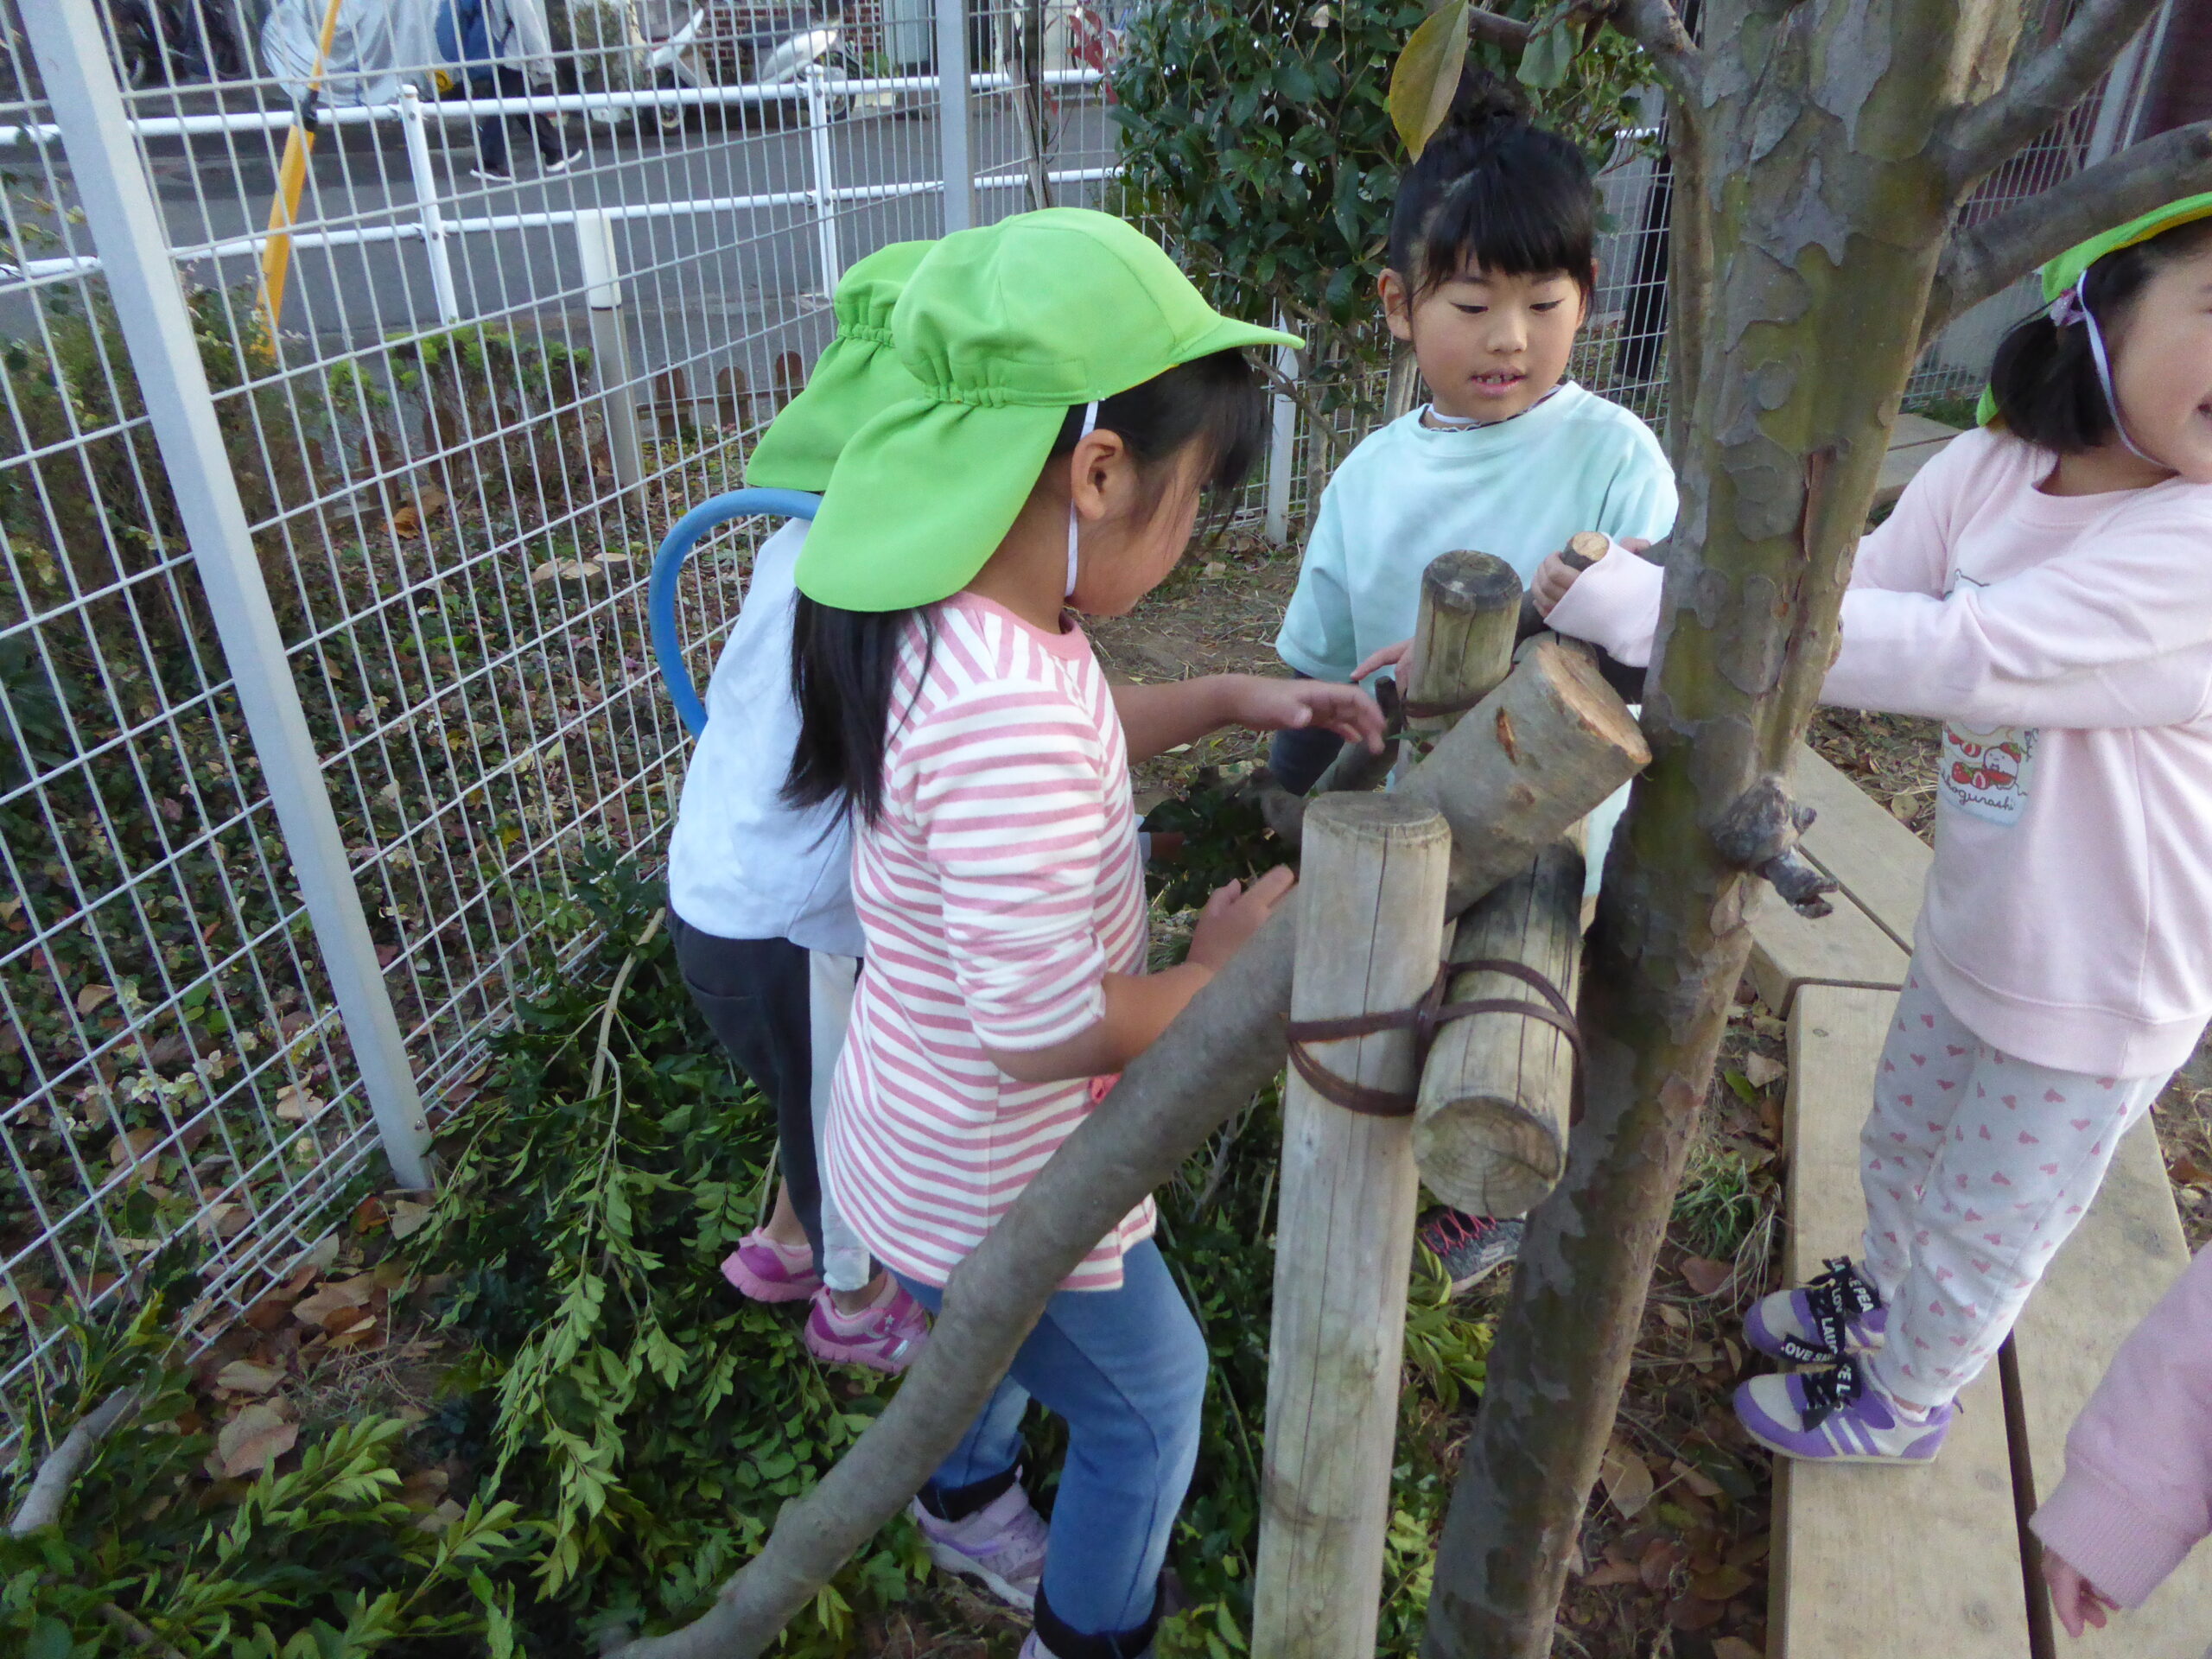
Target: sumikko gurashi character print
(1987, 773)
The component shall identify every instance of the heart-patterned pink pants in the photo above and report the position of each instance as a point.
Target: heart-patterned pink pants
(1976, 1165)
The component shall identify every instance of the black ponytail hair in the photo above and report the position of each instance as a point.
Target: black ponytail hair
(2044, 379)
(845, 663)
(1493, 191)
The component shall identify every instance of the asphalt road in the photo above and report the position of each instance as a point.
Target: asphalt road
(701, 289)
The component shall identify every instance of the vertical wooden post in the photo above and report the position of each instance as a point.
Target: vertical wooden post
(1463, 643)
(1490, 1131)
(1371, 928)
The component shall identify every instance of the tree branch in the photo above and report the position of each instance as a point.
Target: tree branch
(1989, 258)
(2044, 88)
(1498, 31)
(41, 1506)
(1656, 27)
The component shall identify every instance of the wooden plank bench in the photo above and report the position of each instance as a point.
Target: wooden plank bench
(1874, 1562)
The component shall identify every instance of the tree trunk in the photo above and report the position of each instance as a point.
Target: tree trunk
(1812, 194)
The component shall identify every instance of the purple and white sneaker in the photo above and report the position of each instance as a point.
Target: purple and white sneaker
(1001, 1546)
(764, 1271)
(884, 1337)
(1835, 1417)
(1837, 1316)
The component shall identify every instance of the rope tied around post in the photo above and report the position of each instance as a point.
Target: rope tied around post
(1426, 1018)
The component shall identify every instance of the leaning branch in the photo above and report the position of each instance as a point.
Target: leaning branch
(1508, 779)
(41, 1506)
(1988, 258)
(1498, 31)
(2043, 89)
(1656, 27)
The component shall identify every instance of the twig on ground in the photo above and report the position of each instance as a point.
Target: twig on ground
(135, 1633)
(614, 999)
(41, 1506)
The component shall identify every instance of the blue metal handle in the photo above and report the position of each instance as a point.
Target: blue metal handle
(668, 565)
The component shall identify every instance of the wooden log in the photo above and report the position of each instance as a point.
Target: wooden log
(1463, 642)
(1489, 1134)
(1540, 752)
(1369, 932)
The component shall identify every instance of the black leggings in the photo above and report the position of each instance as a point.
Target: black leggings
(752, 994)
(491, 152)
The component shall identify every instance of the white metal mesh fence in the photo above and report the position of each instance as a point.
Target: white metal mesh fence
(530, 316)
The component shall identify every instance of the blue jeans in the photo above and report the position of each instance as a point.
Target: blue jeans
(1126, 1369)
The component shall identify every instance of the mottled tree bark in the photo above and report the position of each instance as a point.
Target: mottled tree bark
(1821, 151)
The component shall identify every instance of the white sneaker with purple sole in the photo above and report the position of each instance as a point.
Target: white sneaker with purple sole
(1836, 1416)
(1001, 1546)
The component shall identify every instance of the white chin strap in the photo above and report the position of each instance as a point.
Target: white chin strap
(2072, 307)
(1090, 424)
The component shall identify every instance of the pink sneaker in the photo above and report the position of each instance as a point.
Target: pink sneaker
(1001, 1545)
(884, 1337)
(764, 1271)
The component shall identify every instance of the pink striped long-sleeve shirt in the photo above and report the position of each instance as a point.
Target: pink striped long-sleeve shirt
(999, 888)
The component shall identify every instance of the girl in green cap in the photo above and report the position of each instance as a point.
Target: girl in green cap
(2042, 589)
(1078, 395)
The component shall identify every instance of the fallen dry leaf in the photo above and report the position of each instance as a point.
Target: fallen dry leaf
(331, 1299)
(227, 1220)
(1628, 1481)
(441, 1518)
(293, 1103)
(1673, 1317)
(92, 996)
(249, 1376)
(1661, 1557)
(2187, 1170)
(342, 1319)
(1696, 1613)
(1705, 1276)
(1695, 1478)
(407, 1219)
(1721, 1583)
(131, 1145)
(1610, 1573)
(269, 1312)
(1758, 1071)
(253, 1440)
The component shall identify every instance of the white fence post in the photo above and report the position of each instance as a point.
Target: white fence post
(826, 187)
(1282, 446)
(956, 158)
(426, 204)
(67, 40)
(610, 343)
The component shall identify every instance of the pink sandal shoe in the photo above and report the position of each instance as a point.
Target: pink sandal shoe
(764, 1271)
(884, 1337)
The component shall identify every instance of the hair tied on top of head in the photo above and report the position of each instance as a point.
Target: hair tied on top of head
(1483, 103)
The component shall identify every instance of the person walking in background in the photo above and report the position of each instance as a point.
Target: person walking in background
(505, 47)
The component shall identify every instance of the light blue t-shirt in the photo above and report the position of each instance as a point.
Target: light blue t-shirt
(1518, 489)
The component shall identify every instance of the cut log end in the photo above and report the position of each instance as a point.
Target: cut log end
(1390, 819)
(1520, 1160)
(1582, 689)
(1468, 582)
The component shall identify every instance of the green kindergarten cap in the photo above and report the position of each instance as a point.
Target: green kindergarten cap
(1006, 327)
(857, 377)
(2063, 275)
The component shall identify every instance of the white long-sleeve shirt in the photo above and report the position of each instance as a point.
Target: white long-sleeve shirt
(2066, 643)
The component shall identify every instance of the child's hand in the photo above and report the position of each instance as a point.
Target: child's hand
(1235, 913)
(1388, 656)
(1272, 705)
(1558, 571)
(2078, 1603)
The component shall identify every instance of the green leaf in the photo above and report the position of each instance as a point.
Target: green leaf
(50, 1639)
(1426, 75)
(1546, 59)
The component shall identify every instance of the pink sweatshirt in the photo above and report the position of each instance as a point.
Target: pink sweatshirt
(2137, 1492)
(2066, 643)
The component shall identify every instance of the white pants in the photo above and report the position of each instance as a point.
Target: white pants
(1976, 1166)
(830, 979)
